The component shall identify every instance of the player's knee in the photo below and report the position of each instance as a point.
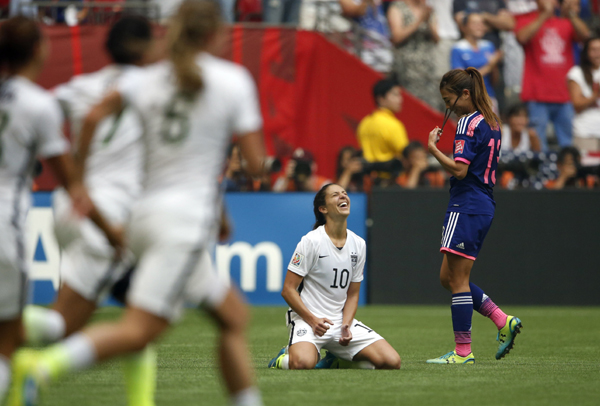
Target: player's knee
(236, 320)
(301, 363)
(386, 361)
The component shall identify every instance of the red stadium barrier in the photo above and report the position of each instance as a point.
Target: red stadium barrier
(313, 94)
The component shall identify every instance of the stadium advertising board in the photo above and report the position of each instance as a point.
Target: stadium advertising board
(266, 229)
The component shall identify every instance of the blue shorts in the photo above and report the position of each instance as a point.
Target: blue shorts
(463, 234)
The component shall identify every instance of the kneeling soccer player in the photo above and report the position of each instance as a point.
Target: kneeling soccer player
(322, 287)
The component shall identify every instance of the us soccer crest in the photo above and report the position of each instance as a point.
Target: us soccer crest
(297, 259)
(354, 259)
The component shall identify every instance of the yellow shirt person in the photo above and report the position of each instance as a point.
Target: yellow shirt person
(381, 135)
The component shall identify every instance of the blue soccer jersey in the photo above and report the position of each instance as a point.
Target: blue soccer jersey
(477, 145)
(464, 55)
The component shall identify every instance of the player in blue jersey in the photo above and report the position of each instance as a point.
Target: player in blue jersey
(470, 210)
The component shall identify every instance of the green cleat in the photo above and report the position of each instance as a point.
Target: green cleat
(23, 363)
(506, 336)
(452, 358)
(276, 362)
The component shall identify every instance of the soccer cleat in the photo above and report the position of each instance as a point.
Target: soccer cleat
(276, 362)
(506, 336)
(23, 364)
(452, 358)
(329, 361)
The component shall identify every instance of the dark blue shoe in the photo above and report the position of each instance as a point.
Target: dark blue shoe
(274, 362)
(329, 361)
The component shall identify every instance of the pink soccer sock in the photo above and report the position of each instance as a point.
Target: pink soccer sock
(463, 349)
(498, 317)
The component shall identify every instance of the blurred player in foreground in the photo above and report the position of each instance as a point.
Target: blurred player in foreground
(470, 210)
(113, 177)
(189, 105)
(322, 287)
(30, 126)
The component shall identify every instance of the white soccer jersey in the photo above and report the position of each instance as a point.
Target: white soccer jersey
(114, 165)
(327, 272)
(30, 126)
(186, 140)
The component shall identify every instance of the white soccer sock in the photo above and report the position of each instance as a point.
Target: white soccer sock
(285, 362)
(247, 397)
(43, 325)
(80, 352)
(4, 376)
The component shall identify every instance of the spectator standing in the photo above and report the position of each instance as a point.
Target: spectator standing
(517, 136)
(547, 40)
(414, 33)
(497, 18)
(448, 33)
(477, 52)
(584, 88)
(281, 11)
(381, 135)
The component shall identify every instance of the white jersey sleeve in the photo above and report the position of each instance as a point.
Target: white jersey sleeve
(358, 269)
(247, 117)
(129, 84)
(48, 125)
(304, 258)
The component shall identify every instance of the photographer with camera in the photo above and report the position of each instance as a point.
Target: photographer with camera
(300, 174)
(416, 170)
(381, 135)
(570, 172)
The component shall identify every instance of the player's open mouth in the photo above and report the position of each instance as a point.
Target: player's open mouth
(343, 204)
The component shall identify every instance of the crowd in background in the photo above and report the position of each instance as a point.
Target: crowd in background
(541, 65)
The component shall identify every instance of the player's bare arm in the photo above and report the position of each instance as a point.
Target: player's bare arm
(349, 312)
(293, 299)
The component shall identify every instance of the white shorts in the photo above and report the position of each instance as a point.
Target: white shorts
(174, 266)
(362, 337)
(13, 271)
(87, 259)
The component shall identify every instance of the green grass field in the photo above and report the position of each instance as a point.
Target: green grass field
(556, 361)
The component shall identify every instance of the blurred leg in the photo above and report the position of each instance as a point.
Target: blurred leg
(563, 123)
(539, 116)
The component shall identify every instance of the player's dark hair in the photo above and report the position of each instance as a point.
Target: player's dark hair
(128, 39)
(19, 38)
(457, 80)
(190, 30)
(382, 87)
(566, 151)
(585, 63)
(411, 147)
(320, 202)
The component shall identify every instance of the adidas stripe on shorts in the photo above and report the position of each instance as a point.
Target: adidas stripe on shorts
(463, 233)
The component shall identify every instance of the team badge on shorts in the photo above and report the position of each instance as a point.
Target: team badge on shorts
(459, 146)
(297, 259)
(354, 259)
(301, 332)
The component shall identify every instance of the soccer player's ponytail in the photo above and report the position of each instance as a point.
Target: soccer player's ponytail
(189, 32)
(320, 202)
(456, 80)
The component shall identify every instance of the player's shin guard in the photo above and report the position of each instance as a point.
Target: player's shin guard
(42, 325)
(462, 314)
(140, 377)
